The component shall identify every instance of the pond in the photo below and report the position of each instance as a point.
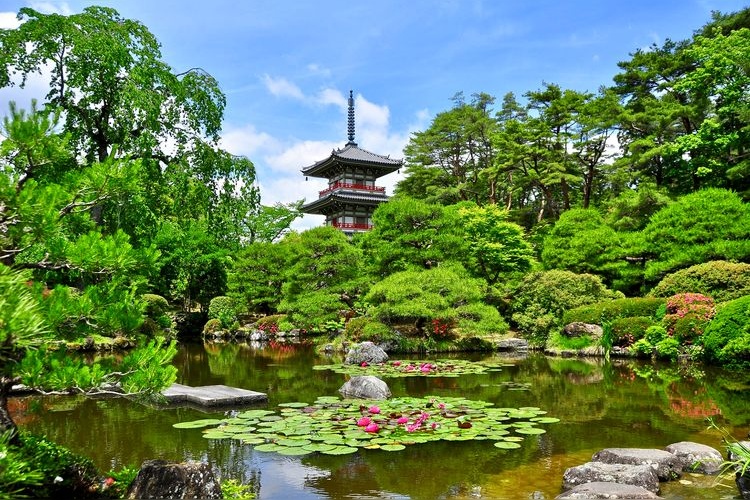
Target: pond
(623, 403)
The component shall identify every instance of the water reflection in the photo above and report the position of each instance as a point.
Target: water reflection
(623, 403)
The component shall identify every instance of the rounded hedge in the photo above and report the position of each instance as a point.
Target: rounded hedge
(614, 309)
(720, 279)
(727, 338)
(628, 330)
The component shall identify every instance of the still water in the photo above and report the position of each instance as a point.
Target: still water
(616, 404)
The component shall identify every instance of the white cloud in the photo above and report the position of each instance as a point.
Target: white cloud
(52, 8)
(281, 87)
(332, 96)
(298, 155)
(248, 141)
(8, 21)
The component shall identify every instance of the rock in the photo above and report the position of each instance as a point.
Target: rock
(258, 336)
(666, 465)
(512, 344)
(162, 479)
(365, 352)
(594, 472)
(579, 329)
(743, 484)
(365, 387)
(610, 491)
(697, 457)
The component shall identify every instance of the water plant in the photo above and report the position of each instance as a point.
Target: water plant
(333, 426)
(409, 368)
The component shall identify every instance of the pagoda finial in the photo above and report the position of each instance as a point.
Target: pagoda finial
(351, 119)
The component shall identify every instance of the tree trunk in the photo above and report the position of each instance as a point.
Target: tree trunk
(6, 421)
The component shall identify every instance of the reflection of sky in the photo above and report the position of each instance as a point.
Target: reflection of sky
(284, 477)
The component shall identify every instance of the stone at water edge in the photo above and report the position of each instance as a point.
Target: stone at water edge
(643, 476)
(609, 491)
(697, 457)
(579, 329)
(666, 465)
(365, 352)
(365, 387)
(162, 479)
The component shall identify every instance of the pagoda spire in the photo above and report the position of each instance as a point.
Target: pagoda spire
(351, 120)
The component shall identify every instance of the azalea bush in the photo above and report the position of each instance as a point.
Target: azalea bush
(687, 315)
(727, 338)
(719, 279)
(609, 310)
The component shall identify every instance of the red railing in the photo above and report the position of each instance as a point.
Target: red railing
(347, 185)
(351, 225)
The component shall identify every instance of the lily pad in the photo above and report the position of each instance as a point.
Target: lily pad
(295, 451)
(530, 430)
(340, 450)
(197, 424)
(507, 445)
(393, 447)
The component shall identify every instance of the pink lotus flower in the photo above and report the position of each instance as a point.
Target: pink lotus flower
(364, 422)
(441, 406)
(425, 368)
(364, 364)
(397, 363)
(434, 425)
(410, 368)
(372, 427)
(402, 420)
(374, 409)
(412, 427)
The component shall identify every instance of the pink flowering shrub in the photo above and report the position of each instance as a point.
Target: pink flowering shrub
(687, 315)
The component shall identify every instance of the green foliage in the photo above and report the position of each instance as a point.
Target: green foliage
(542, 298)
(711, 224)
(16, 473)
(224, 309)
(212, 326)
(156, 305)
(409, 233)
(364, 328)
(21, 324)
(419, 297)
(122, 479)
(726, 340)
(613, 309)
(719, 279)
(559, 342)
(627, 330)
(581, 242)
(632, 208)
(655, 334)
(43, 461)
(668, 348)
(231, 488)
(256, 275)
(495, 245)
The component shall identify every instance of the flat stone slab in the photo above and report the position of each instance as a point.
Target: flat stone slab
(212, 395)
(610, 491)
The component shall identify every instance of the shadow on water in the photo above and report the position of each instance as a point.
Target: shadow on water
(619, 404)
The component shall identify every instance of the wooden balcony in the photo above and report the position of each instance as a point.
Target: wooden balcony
(352, 225)
(347, 185)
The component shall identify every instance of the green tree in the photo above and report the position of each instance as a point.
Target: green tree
(326, 277)
(495, 245)
(711, 224)
(257, 275)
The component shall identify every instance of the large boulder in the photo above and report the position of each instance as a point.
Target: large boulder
(579, 329)
(595, 472)
(610, 491)
(666, 465)
(162, 479)
(366, 352)
(697, 457)
(513, 344)
(365, 387)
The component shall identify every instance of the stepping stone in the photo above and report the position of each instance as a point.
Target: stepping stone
(609, 491)
(212, 395)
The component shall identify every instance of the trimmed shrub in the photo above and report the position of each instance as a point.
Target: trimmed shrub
(727, 338)
(669, 348)
(692, 311)
(212, 326)
(271, 323)
(364, 329)
(720, 279)
(224, 309)
(614, 309)
(627, 330)
(156, 305)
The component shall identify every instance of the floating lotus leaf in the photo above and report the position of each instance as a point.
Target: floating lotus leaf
(197, 424)
(530, 430)
(410, 368)
(329, 425)
(507, 445)
(393, 447)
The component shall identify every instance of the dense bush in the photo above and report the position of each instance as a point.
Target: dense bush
(719, 279)
(727, 338)
(156, 305)
(541, 299)
(364, 328)
(212, 326)
(224, 309)
(444, 294)
(271, 322)
(614, 309)
(691, 311)
(630, 329)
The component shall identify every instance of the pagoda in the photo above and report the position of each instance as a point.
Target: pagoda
(351, 196)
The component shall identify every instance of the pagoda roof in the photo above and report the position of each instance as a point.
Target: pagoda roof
(351, 154)
(342, 197)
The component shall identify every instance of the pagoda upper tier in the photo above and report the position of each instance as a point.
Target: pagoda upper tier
(351, 156)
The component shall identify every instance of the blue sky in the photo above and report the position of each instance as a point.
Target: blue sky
(286, 67)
